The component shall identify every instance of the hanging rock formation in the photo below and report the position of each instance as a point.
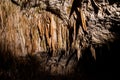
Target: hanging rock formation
(58, 32)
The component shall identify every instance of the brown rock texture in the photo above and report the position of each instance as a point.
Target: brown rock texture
(57, 32)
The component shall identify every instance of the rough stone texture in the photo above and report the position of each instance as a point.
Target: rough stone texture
(45, 28)
(36, 25)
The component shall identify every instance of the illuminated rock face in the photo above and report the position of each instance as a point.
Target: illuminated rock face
(37, 27)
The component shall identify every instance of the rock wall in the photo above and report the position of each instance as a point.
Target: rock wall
(37, 27)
